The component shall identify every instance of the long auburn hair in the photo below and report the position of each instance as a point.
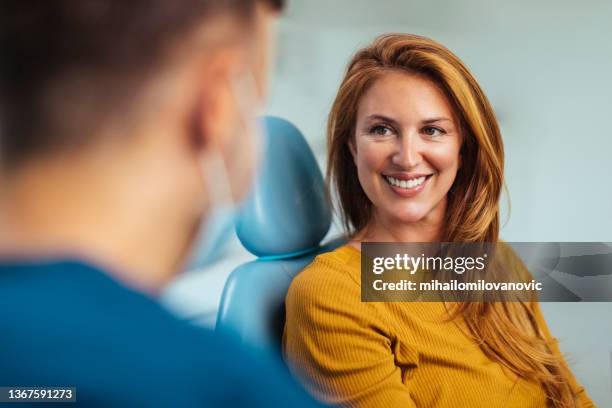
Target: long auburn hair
(507, 332)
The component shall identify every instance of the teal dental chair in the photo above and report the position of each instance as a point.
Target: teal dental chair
(283, 222)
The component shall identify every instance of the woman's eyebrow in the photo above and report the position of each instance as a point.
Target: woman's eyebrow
(438, 119)
(394, 122)
(383, 118)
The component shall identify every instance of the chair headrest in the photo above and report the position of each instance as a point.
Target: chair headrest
(287, 212)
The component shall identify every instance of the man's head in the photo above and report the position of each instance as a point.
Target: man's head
(67, 66)
(148, 88)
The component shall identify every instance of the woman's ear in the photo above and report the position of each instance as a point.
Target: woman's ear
(353, 149)
(461, 149)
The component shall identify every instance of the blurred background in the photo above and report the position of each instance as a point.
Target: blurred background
(546, 67)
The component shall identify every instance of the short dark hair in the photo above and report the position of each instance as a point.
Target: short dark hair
(43, 42)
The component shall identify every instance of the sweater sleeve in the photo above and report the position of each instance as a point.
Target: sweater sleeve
(339, 346)
(582, 398)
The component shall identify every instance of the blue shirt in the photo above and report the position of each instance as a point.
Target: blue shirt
(66, 323)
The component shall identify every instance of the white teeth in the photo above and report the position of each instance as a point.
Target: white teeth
(407, 184)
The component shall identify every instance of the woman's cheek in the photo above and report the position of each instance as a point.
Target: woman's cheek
(443, 184)
(373, 157)
(445, 159)
(370, 162)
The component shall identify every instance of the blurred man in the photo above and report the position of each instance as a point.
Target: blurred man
(123, 125)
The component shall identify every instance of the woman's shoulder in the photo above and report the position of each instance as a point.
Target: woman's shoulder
(344, 257)
(327, 294)
(333, 272)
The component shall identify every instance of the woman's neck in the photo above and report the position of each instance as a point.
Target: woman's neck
(384, 228)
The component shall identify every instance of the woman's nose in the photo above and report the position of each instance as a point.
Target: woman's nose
(408, 154)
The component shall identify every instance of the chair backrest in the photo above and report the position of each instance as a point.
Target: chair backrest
(282, 222)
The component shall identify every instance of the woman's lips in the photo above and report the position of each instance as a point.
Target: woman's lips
(407, 186)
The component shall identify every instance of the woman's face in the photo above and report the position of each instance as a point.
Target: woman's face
(406, 148)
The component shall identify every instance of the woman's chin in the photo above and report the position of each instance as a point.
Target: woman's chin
(410, 216)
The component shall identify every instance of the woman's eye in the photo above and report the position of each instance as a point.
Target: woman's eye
(433, 131)
(381, 130)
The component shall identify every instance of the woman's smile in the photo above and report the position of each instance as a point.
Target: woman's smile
(405, 184)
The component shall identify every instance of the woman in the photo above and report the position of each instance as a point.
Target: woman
(416, 155)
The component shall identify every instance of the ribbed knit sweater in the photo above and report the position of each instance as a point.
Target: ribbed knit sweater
(384, 354)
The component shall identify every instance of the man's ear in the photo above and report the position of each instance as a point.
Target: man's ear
(215, 108)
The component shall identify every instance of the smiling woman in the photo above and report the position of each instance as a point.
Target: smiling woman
(416, 155)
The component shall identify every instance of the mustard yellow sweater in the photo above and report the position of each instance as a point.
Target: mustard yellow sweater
(375, 354)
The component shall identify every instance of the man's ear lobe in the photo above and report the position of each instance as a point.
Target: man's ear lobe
(202, 126)
(212, 112)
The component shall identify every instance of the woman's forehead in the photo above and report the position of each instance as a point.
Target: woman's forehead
(404, 96)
